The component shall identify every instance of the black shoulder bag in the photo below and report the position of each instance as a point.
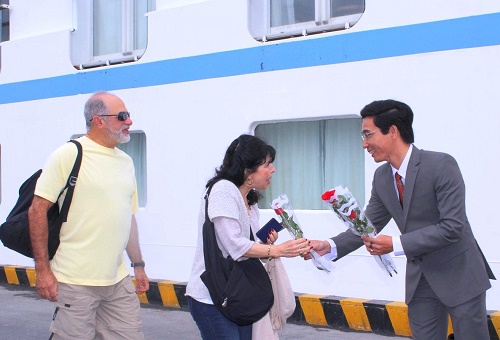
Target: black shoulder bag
(241, 290)
(14, 232)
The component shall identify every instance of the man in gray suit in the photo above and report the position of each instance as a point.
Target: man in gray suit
(424, 193)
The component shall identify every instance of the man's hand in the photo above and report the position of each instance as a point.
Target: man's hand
(134, 254)
(46, 282)
(141, 279)
(320, 247)
(46, 285)
(380, 245)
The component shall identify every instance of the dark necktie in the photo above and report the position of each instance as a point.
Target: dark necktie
(401, 188)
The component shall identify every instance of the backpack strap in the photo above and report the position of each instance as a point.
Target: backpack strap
(71, 182)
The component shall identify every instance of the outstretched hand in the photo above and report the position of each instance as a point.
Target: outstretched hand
(293, 248)
(320, 247)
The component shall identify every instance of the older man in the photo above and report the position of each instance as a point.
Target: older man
(87, 278)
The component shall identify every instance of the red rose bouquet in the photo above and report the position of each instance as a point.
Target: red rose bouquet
(346, 207)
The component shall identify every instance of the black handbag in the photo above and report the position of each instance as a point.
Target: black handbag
(14, 232)
(241, 290)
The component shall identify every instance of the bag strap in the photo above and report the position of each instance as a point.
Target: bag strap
(211, 250)
(206, 201)
(209, 239)
(71, 182)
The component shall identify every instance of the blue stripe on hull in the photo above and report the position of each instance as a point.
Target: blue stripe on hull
(469, 32)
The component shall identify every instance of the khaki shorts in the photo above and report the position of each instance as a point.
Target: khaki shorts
(90, 312)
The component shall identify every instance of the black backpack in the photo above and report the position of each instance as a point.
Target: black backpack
(14, 232)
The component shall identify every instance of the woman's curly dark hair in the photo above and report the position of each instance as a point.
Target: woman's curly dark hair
(245, 153)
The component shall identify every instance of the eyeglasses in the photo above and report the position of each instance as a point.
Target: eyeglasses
(122, 116)
(367, 134)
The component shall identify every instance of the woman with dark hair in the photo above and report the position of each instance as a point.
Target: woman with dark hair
(247, 167)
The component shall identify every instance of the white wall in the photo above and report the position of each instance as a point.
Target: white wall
(189, 125)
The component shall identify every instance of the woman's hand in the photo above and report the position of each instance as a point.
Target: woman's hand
(273, 236)
(291, 248)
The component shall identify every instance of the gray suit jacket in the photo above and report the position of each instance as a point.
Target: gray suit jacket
(436, 235)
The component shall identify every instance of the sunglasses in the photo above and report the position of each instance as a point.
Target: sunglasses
(122, 116)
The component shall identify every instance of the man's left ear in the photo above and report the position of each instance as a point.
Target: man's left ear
(394, 131)
(96, 120)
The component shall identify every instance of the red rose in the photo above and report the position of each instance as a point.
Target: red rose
(327, 195)
(279, 211)
(352, 215)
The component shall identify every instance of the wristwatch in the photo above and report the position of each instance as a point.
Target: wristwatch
(138, 264)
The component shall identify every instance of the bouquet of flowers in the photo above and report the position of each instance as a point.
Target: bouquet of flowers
(283, 209)
(345, 206)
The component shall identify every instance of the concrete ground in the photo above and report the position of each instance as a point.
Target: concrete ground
(24, 316)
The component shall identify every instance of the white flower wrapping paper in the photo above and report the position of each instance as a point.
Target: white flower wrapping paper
(346, 207)
(283, 209)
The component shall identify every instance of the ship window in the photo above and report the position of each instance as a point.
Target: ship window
(136, 149)
(312, 157)
(109, 31)
(275, 19)
(4, 15)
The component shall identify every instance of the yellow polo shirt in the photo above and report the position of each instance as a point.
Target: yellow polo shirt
(105, 198)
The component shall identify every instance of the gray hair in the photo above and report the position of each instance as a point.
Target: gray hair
(95, 106)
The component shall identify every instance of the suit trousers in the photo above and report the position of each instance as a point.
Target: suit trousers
(428, 316)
